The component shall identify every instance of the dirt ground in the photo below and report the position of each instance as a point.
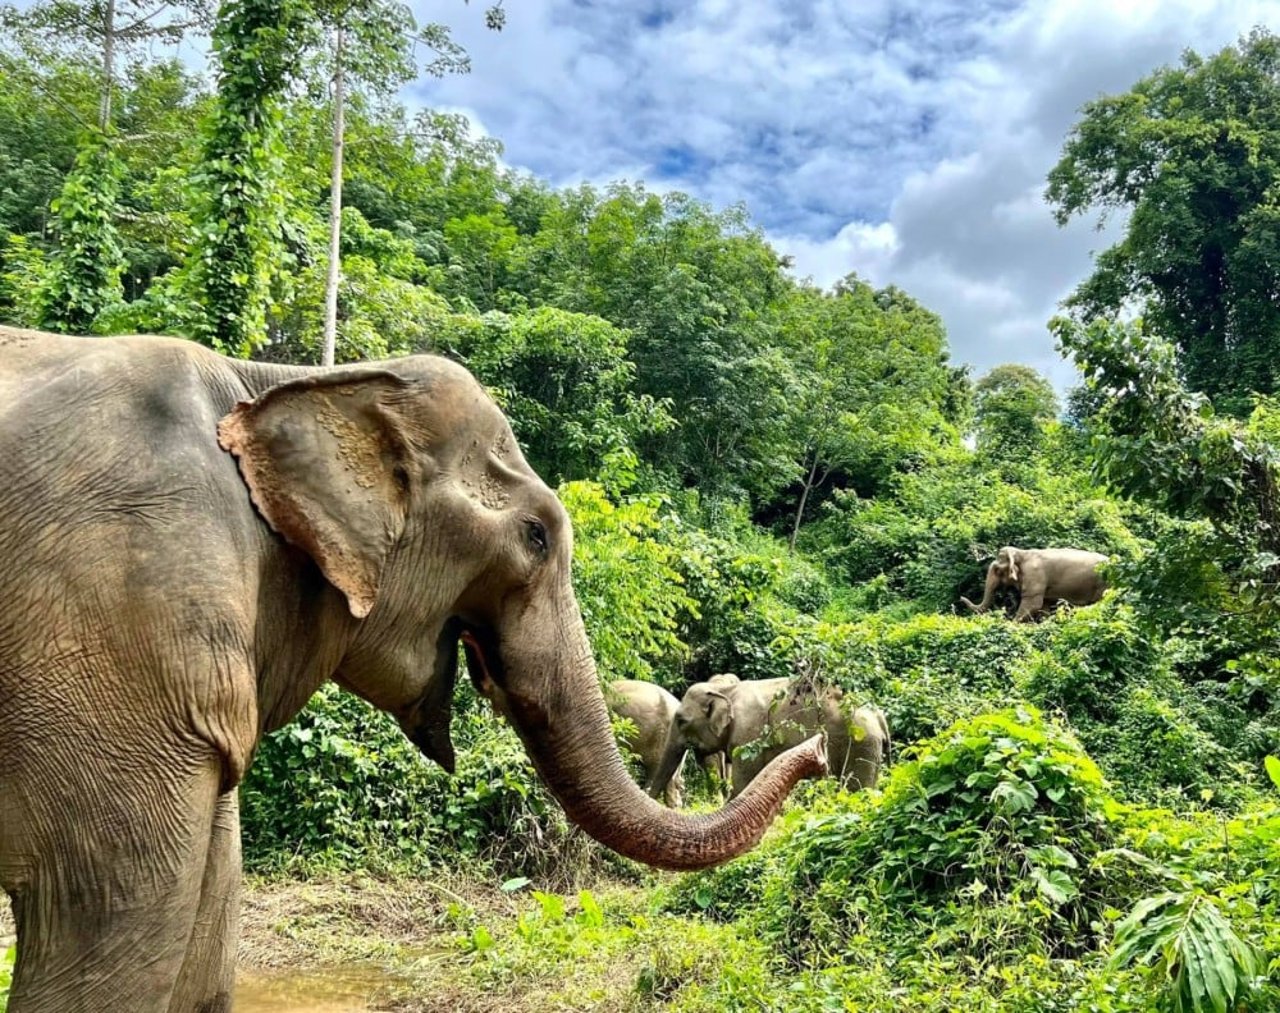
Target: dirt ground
(360, 945)
(352, 945)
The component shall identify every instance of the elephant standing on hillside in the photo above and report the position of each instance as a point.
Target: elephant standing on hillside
(769, 716)
(189, 546)
(716, 763)
(651, 709)
(1043, 577)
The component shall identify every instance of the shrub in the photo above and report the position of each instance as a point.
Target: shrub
(985, 840)
(627, 583)
(342, 787)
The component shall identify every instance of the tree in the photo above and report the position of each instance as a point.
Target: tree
(871, 385)
(565, 382)
(373, 44)
(257, 45)
(84, 278)
(1192, 154)
(113, 28)
(1011, 405)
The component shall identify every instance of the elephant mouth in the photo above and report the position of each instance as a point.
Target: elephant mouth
(484, 663)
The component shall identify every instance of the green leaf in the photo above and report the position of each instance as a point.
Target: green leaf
(1272, 764)
(1054, 885)
(518, 883)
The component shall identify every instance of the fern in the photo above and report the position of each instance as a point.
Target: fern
(1184, 937)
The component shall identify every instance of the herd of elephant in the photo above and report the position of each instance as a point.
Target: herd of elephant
(736, 727)
(191, 545)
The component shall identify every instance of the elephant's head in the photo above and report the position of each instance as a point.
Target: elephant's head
(703, 722)
(1004, 571)
(406, 487)
(704, 719)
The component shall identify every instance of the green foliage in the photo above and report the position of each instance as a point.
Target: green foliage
(933, 532)
(238, 227)
(1012, 405)
(626, 583)
(1185, 939)
(83, 276)
(23, 269)
(566, 383)
(341, 787)
(1191, 155)
(1003, 806)
(7, 960)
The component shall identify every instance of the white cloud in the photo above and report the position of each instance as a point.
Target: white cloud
(906, 140)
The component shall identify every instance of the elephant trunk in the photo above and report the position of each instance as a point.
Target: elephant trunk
(561, 717)
(673, 754)
(988, 594)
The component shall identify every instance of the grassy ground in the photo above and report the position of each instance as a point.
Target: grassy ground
(416, 946)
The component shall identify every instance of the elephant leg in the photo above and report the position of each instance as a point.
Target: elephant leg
(862, 772)
(106, 912)
(1029, 606)
(208, 972)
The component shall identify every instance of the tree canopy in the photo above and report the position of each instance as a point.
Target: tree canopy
(1190, 160)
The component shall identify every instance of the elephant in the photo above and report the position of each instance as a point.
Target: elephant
(716, 763)
(779, 713)
(1043, 577)
(190, 545)
(651, 709)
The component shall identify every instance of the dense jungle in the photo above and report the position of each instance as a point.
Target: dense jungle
(766, 477)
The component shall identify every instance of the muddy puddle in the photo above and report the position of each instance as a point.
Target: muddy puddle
(330, 990)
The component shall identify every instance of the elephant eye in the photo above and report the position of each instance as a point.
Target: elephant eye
(537, 535)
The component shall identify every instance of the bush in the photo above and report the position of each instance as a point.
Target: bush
(925, 672)
(627, 583)
(984, 840)
(341, 787)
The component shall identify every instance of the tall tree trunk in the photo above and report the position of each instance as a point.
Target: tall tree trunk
(804, 498)
(335, 211)
(108, 64)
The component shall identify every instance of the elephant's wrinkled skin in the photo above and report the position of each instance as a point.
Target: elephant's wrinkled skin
(651, 709)
(768, 716)
(189, 547)
(1043, 578)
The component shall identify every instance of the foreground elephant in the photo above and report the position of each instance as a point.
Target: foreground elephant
(651, 709)
(1043, 577)
(780, 713)
(189, 547)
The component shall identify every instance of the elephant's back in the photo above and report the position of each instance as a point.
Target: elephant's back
(110, 470)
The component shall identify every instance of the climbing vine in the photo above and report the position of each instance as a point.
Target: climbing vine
(238, 228)
(84, 276)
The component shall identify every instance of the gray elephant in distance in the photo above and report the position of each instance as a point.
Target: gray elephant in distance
(190, 546)
(1043, 578)
(651, 709)
(769, 716)
(715, 763)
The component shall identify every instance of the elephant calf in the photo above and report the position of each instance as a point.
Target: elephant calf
(651, 709)
(1043, 577)
(768, 716)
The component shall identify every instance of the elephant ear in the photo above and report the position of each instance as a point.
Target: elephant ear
(326, 461)
(719, 716)
(1012, 555)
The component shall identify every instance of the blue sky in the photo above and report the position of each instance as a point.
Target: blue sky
(906, 141)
